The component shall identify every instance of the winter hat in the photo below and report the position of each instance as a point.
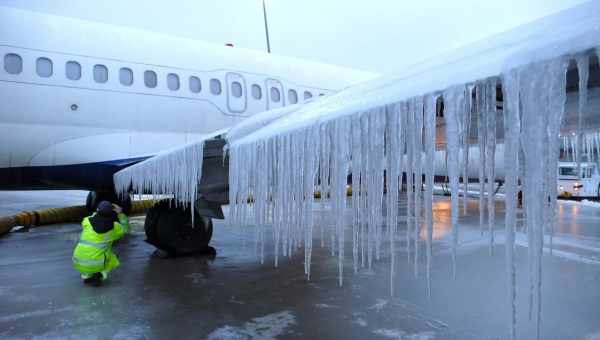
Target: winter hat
(104, 218)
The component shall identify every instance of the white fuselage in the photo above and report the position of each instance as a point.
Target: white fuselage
(77, 92)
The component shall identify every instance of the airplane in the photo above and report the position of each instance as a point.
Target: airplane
(81, 100)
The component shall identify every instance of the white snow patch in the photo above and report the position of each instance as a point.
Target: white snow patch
(197, 278)
(265, 327)
(381, 303)
(401, 335)
(133, 332)
(360, 321)
(325, 306)
(36, 313)
(585, 203)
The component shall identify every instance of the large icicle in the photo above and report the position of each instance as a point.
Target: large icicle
(583, 66)
(410, 124)
(480, 89)
(378, 133)
(340, 174)
(174, 172)
(417, 158)
(453, 103)
(541, 88)
(490, 156)
(465, 142)
(430, 130)
(392, 155)
(357, 195)
(511, 165)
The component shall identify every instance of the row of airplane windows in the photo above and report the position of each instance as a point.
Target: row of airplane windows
(13, 64)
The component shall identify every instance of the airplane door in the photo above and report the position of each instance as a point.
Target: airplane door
(236, 93)
(275, 95)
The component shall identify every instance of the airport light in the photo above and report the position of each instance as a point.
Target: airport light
(266, 25)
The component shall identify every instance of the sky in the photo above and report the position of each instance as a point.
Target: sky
(376, 35)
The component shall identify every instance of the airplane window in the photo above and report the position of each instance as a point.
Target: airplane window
(275, 95)
(43, 67)
(236, 89)
(321, 94)
(150, 79)
(293, 96)
(195, 84)
(256, 92)
(13, 63)
(307, 95)
(126, 76)
(100, 73)
(73, 70)
(215, 86)
(173, 82)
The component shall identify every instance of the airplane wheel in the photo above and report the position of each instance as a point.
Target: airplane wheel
(170, 229)
(95, 197)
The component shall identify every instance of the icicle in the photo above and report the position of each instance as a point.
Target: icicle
(175, 172)
(481, 141)
(511, 166)
(490, 156)
(583, 66)
(430, 131)
(409, 175)
(417, 158)
(365, 244)
(375, 184)
(539, 85)
(339, 177)
(392, 155)
(453, 98)
(357, 195)
(465, 135)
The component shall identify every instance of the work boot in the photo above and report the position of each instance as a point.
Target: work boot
(94, 280)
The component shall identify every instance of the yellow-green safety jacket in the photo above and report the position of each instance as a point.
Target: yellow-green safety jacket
(93, 252)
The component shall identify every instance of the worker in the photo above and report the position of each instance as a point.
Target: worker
(93, 256)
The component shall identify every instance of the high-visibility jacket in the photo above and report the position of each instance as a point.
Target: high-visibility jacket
(93, 252)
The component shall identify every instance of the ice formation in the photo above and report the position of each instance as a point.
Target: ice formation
(382, 134)
(174, 172)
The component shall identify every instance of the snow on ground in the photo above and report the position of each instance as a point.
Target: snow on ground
(401, 335)
(266, 327)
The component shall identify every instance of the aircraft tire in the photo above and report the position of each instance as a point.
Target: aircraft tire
(170, 229)
(95, 197)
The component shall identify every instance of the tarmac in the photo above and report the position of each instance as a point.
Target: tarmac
(233, 296)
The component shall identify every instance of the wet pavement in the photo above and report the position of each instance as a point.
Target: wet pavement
(234, 296)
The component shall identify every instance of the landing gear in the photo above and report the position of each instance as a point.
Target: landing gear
(169, 228)
(95, 197)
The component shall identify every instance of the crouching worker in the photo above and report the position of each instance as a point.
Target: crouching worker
(93, 256)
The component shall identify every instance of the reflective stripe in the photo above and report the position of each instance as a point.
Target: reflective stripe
(101, 245)
(88, 262)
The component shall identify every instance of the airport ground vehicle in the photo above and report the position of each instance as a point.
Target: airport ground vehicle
(585, 184)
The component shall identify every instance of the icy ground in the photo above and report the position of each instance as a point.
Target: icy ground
(234, 295)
